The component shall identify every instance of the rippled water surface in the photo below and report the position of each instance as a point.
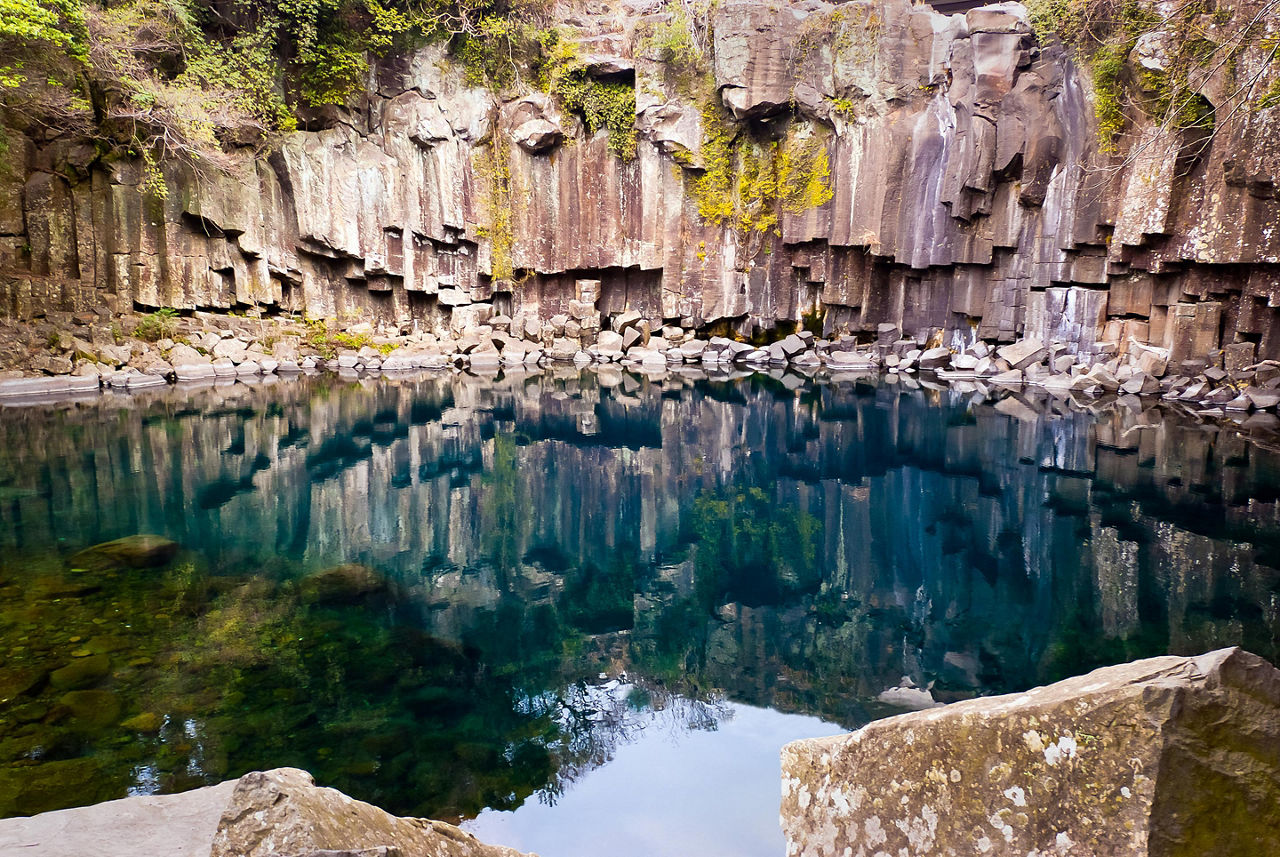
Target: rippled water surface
(595, 603)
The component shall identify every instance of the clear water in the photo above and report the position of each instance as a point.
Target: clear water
(587, 607)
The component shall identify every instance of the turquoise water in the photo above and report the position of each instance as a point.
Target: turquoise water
(455, 597)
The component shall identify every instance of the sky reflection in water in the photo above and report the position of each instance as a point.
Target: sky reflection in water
(679, 784)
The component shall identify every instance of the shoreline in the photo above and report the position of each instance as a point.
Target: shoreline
(81, 358)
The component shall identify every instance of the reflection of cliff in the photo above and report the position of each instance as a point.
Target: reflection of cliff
(804, 550)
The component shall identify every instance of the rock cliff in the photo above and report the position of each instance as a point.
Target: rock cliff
(889, 165)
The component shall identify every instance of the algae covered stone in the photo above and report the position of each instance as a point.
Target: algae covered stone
(92, 709)
(342, 584)
(81, 672)
(139, 551)
(1164, 757)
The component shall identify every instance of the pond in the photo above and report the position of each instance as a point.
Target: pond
(587, 607)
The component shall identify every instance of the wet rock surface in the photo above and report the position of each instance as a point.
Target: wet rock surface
(1164, 756)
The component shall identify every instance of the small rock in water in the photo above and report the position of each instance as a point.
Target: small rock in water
(342, 584)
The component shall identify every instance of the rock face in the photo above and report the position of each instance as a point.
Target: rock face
(1165, 756)
(969, 194)
(277, 813)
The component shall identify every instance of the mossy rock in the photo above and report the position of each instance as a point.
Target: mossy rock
(30, 790)
(147, 722)
(108, 643)
(16, 681)
(55, 586)
(94, 709)
(29, 712)
(81, 672)
(140, 551)
(342, 584)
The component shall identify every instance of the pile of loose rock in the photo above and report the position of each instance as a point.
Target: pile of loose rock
(207, 347)
(1215, 384)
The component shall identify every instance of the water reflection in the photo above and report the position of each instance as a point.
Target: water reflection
(414, 588)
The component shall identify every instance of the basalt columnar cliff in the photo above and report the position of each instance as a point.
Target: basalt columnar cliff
(943, 174)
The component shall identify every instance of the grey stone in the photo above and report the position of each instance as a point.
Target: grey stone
(1163, 756)
(1024, 353)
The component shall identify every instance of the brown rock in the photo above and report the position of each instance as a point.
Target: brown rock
(140, 551)
(283, 812)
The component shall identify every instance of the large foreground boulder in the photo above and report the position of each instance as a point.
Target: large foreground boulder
(277, 813)
(1165, 757)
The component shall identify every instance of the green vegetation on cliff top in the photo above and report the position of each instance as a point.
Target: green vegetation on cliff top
(1160, 63)
(184, 78)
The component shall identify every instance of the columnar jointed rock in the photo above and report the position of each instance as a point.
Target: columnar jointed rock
(1162, 757)
(964, 169)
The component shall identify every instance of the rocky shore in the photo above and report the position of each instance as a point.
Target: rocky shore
(86, 353)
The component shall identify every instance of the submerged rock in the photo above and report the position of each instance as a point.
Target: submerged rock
(81, 672)
(342, 583)
(140, 551)
(33, 789)
(1164, 756)
(92, 708)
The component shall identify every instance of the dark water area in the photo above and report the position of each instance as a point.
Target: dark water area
(448, 594)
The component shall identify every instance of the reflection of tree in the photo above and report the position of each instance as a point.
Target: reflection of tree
(347, 690)
(500, 520)
(596, 719)
(752, 548)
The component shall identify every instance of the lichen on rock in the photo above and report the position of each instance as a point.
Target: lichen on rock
(1165, 756)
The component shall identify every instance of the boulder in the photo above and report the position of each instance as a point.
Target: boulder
(140, 551)
(1262, 399)
(342, 584)
(1023, 353)
(194, 371)
(231, 349)
(935, 358)
(791, 346)
(538, 135)
(277, 813)
(1165, 756)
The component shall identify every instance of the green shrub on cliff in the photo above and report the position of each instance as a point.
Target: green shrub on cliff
(748, 184)
(190, 79)
(603, 104)
(1191, 50)
(30, 30)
